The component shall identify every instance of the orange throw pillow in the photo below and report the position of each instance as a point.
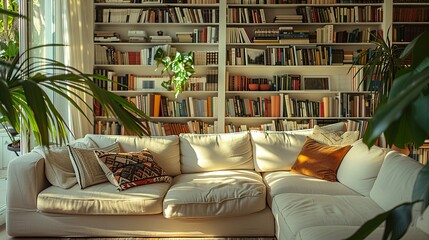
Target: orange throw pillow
(319, 160)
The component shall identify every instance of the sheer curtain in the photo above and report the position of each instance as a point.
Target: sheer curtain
(78, 24)
(67, 22)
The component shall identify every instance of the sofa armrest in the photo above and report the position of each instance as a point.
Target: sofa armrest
(26, 179)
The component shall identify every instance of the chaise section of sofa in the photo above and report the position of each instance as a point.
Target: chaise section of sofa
(234, 185)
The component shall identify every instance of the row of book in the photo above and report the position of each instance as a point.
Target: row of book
(306, 1)
(111, 55)
(289, 35)
(125, 82)
(408, 14)
(281, 105)
(158, 128)
(245, 15)
(157, 15)
(420, 154)
(287, 56)
(406, 33)
(192, 126)
(357, 105)
(279, 82)
(340, 14)
(293, 125)
(108, 55)
(157, 105)
(160, 1)
(274, 125)
(206, 57)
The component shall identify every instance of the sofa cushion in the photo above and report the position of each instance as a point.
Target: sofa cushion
(103, 199)
(127, 170)
(215, 194)
(288, 182)
(319, 160)
(58, 166)
(276, 151)
(214, 152)
(360, 167)
(86, 166)
(423, 221)
(165, 149)
(395, 181)
(296, 211)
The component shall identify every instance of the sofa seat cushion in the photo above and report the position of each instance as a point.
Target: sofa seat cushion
(296, 211)
(342, 232)
(215, 194)
(104, 199)
(289, 182)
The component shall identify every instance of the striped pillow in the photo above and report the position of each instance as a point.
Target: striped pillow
(85, 165)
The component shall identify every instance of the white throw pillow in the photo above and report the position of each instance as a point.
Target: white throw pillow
(334, 138)
(58, 166)
(360, 167)
(395, 182)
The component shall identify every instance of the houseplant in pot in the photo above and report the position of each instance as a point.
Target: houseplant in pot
(403, 118)
(179, 67)
(378, 73)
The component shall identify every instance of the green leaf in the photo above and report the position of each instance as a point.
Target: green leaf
(418, 47)
(35, 101)
(394, 108)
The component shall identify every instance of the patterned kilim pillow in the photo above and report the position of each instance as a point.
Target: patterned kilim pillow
(127, 170)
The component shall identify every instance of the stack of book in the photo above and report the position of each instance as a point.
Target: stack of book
(266, 36)
(184, 37)
(287, 18)
(287, 35)
(106, 36)
(160, 39)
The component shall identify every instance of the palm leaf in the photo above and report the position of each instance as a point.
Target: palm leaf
(27, 80)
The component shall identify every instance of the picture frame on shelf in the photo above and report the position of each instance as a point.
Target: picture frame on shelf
(316, 83)
(255, 56)
(150, 83)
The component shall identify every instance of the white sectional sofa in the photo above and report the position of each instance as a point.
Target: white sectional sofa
(223, 185)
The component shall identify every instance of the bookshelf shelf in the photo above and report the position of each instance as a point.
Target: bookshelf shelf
(163, 25)
(135, 5)
(411, 23)
(153, 44)
(303, 24)
(340, 75)
(303, 45)
(305, 5)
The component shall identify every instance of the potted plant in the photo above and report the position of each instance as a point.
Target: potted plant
(179, 67)
(403, 117)
(24, 83)
(379, 72)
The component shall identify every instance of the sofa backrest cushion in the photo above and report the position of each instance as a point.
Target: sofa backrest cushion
(165, 149)
(360, 167)
(277, 151)
(213, 152)
(395, 182)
